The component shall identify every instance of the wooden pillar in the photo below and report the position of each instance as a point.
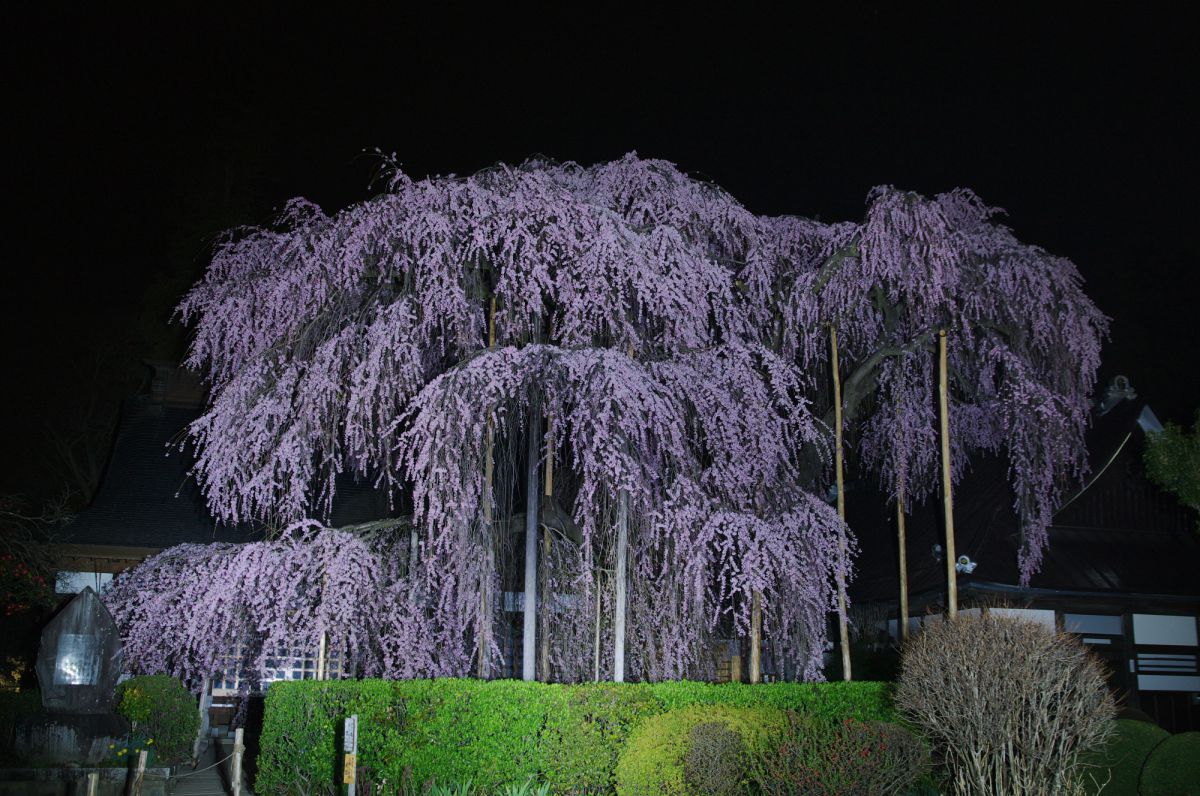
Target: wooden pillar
(838, 454)
(947, 496)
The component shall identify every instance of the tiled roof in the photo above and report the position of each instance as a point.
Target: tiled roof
(1120, 535)
(147, 498)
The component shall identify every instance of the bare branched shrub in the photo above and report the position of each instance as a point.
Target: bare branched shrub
(1007, 705)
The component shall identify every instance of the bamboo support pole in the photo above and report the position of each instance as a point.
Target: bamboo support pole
(947, 492)
(838, 455)
(93, 783)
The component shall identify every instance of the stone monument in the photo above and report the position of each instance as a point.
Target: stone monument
(78, 665)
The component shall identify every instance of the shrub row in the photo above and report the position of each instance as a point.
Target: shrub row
(1142, 759)
(500, 732)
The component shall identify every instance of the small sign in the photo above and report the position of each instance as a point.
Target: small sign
(350, 734)
(348, 769)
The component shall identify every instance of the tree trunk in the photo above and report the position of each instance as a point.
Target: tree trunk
(841, 496)
(532, 511)
(947, 496)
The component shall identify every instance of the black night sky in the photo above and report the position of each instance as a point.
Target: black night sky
(134, 139)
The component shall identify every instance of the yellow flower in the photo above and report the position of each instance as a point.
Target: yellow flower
(112, 746)
(149, 741)
(123, 751)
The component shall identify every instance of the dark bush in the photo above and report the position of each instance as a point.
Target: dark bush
(159, 708)
(815, 757)
(715, 762)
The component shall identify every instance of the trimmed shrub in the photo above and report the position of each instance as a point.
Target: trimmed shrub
(1135, 714)
(1008, 706)
(1118, 767)
(716, 760)
(652, 762)
(1173, 767)
(848, 758)
(499, 732)
(160, 708)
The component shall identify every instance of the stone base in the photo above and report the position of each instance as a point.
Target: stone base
(55, 740)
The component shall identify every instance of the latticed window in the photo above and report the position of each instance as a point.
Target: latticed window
(281, 664)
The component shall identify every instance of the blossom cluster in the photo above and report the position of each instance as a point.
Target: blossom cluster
(678, 345)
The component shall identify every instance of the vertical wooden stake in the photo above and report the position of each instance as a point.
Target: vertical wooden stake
(735, 669)
(93, 783)
(902, 540)
(239, 748)
(756, 637)
(838, 454)
(205, 704)
(947, 496)
(139, 775)
(321, 648)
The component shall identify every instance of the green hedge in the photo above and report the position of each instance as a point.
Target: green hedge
(1116, 770)
(1173, 767)
(502, 731)
(652, 762)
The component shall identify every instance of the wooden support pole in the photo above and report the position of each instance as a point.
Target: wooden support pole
(547, 493)
(620, 586)
(93, 783)
(322, 646)
(239, 749)
(533, 449)
(838, 454)
(947, 496)
(489, 550)
(596, 641)
(756, 637)
(902, 541)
